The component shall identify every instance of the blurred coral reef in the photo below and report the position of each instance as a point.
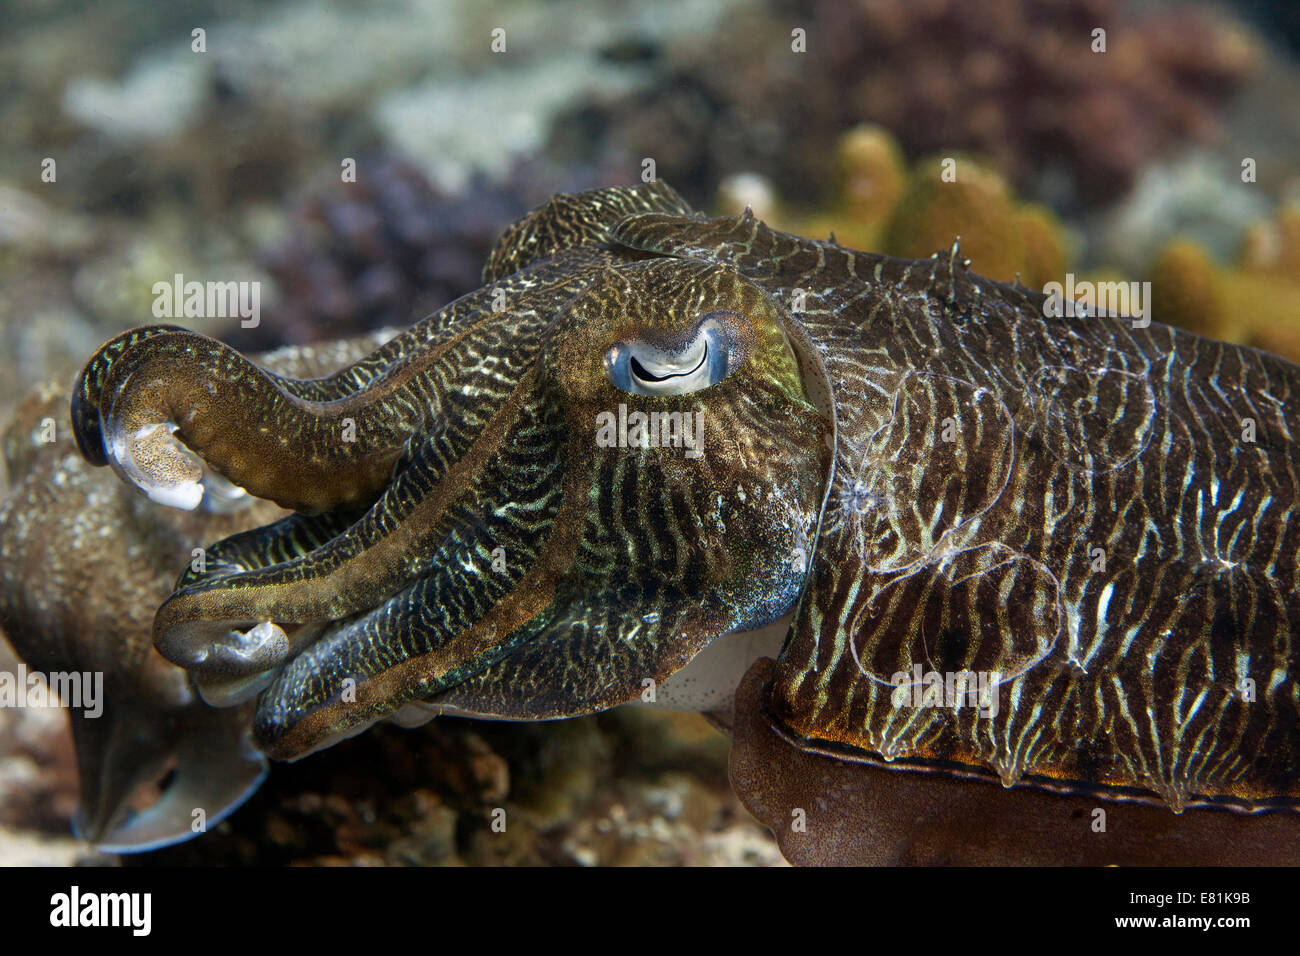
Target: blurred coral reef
(1017, 81)
(388, 248)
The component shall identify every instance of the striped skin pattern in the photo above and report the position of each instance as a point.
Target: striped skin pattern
(1103, 515)
(929, 469)
(472, 546)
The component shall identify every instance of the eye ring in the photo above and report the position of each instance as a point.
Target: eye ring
(642, 368)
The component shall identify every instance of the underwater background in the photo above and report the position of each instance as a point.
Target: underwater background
(1171, 156)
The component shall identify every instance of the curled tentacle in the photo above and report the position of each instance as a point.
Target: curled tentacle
(87, 394)
(175, 395)
(161, 403)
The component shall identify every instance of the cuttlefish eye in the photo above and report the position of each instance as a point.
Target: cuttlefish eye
(643, 368)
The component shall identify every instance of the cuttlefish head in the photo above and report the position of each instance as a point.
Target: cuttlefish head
(540, 503)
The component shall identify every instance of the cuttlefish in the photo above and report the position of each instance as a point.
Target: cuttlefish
(970, 576)
(84, 563)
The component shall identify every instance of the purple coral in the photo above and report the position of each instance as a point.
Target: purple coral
(386, 250)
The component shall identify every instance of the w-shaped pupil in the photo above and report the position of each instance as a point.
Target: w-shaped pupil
(641, 372)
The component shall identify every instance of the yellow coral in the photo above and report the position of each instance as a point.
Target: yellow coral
(1002, 238)
(1044, 256)
(880, 207)
(1256, 302)
(870, 175)
(1186, 290)
(1267, 309)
